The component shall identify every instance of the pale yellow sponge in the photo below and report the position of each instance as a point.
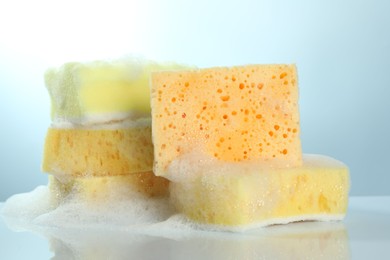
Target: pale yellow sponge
(101, 188)
(247, 113)
(98, 152)
(101, 91)
(241, 194)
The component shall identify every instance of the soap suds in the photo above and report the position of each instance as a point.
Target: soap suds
(117, 206)
(135, 228)
(105, 121)
(244, 195)
(132, 212)
(128, 211)
(119, 210)
(196, 164)
(136, 214)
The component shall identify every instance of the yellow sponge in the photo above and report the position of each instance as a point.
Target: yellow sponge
(100, 188)
(100, 152)
(95, 91)
(242, 195)
(234, 114)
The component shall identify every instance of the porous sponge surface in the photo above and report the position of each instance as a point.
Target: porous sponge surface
(237, 194)
(98, 152)
(247, 113)
(99, 189)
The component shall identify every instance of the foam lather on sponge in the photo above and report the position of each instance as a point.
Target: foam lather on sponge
(101, 91)
(242, 194)
(98, 152)
(247, 113)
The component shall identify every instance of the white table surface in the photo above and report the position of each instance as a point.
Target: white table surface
(364, 234)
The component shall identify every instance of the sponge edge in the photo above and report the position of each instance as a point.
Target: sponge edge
(98, 152)
(220, 196)
(99, 189)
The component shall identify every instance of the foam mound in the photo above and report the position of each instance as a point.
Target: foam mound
(120, 209)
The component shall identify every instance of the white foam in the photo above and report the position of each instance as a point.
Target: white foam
(108, 121)
(135, 213)
(139, 228)
(196, 164)
(124, 208)
(121, 210)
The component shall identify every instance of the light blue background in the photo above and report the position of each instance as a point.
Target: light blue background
(341, 48)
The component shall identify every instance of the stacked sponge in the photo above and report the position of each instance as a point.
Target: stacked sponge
(100, 138)
(227, 139)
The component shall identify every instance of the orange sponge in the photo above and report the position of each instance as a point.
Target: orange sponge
(247, 113)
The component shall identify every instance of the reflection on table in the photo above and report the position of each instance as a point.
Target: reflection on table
(309, 240)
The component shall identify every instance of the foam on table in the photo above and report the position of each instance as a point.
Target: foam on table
(123, 207)
(241, 195)
(124, 211)
(247, 113)
(131, 226)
